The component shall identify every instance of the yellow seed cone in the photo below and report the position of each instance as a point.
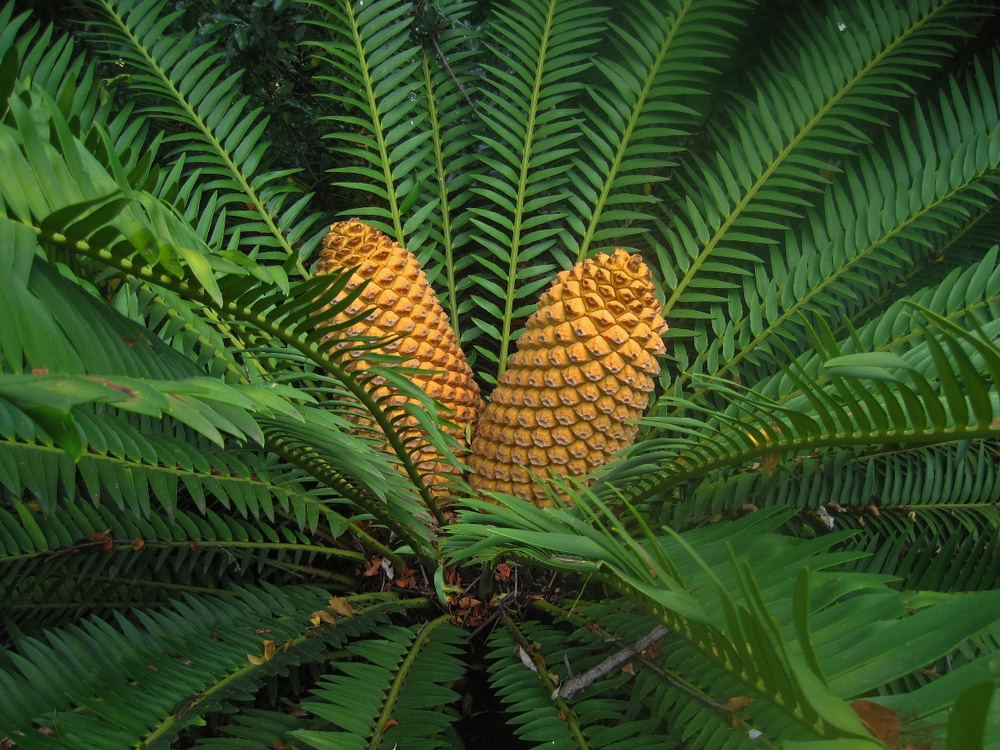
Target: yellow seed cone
(581, 375)
(403, 303)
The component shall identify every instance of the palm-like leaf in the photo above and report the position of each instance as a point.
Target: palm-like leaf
(377, 67)
(926, 396)
(637, 112)
(596, 721)
(391, 692)
(822, 223)
(778, 637)
(81, 558)
(188, 660)
(266, 316)
(220, 137)
(532, 131)
(772, 170)
(449, 77)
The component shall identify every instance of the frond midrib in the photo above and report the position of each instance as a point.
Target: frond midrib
(629, 130)
(779, 159)
(208, 134)
(234, 311)
(802, 304)
(675, 472)
(400, 674)
(507, 322)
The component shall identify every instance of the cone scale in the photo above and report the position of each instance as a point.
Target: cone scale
(402, 304)
(581, 376)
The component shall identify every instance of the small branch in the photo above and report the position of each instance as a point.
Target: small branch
(451, 73)
(592, 675)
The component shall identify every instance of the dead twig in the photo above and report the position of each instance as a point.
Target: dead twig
(582, 681)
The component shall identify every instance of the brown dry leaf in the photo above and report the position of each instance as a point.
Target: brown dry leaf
(138, 544)
(502, 572)
(880, 721)
(654, 651)
(108, 543)
(738, 701)
(373, 567)
(342, 607)
(406, 579)
(322, 615)
(629, 669)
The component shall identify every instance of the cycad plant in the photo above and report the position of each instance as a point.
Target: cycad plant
(235, 513)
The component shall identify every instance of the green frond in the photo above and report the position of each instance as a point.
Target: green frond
(529, 663)
(393, 689)
(207, 406)
(844, 261)
(853, 485)
(253, 729)
(519, 674)
(49, 62)
(144, 468)
(449, 77)
(808, 519)
(939, 547)
(967, 248)
(354, 467)
(146, 681)
(79, 559)
(57, 326)
(638, 116)
(78, 200)
(941, 388)
(726, 591)
(798, 127)
(532, 132)
(378, 76)
(169, 319)
(221, 135)
(287, 318)
(672, 680)
(969, 296)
